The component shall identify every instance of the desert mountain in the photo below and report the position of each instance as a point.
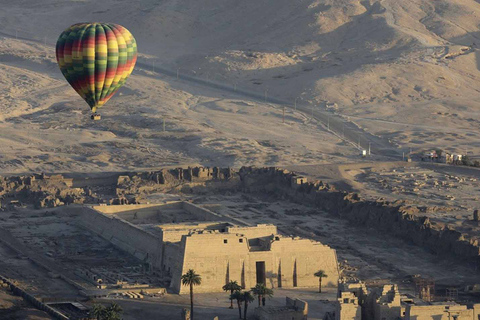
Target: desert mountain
(407, 70)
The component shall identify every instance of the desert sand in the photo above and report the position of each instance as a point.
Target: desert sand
(403, 71)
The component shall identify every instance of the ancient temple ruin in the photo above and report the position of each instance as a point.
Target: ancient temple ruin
(219, 251)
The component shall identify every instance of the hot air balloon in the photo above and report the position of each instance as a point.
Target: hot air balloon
(96, 59)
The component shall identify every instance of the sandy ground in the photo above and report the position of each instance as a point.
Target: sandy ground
(406, 71)
(209, 305)
(202, 127)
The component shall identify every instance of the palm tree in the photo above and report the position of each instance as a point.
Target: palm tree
(320, 274)
(261, 291)
(98, 311)
(267, 293)
(231, 286)
(191, 279)
(113, 312)
(238, 295)
(247, 298)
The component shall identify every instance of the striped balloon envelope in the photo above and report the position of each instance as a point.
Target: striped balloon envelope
(96, 59)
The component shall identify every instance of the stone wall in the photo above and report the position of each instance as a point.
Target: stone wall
(131, 208)
(128, 211)
(123, 235)
(347, 307)
(295, 309)
(260, 230)
(442, 312)
(387, 304)
(221, 257)
(32, 300)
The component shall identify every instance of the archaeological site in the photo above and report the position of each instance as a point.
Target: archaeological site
(130, 237)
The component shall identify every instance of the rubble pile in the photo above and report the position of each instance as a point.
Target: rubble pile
(41, 191)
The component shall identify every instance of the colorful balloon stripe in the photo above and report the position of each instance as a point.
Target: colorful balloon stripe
(96, 59)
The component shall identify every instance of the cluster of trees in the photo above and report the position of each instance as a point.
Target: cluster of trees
(112, 312)
(245, 297)
(237, 293)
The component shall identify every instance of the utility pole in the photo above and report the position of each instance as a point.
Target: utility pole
(283, 114)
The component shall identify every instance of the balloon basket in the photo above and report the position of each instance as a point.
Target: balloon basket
(95, 116)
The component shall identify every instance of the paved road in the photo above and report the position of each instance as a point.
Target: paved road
(342, 128)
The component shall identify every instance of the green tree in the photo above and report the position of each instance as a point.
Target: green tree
(320, 274)
(191, 279)
(113, 312)
(238, 295)
(232, 286)
(98, 311)
(247, 298)
(261, 291)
